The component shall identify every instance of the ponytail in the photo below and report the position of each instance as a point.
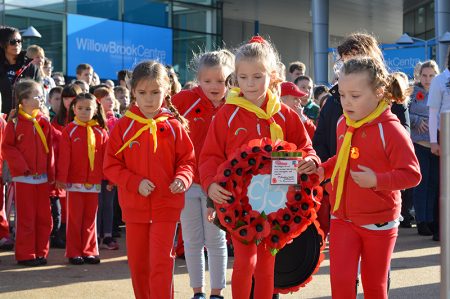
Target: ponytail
(184, 122)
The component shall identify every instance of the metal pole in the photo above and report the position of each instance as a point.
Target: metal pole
(442, 23)
(444, 203)
(320, 15)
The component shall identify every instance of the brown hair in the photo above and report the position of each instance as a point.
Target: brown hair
(99, 115)
(360, 44)
(431, 64)
(394, 89)
(82, 67)
(102, 92)
(152, 70)
(23, 90)
(297, 65)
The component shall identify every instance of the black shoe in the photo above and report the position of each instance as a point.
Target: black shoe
(78, 260)
(435, 237)
(216, 297)
(405, 223)
(93, 260)
(56, 242)
(30, 263)
(423, 229)
(42, 260)
(431, 226)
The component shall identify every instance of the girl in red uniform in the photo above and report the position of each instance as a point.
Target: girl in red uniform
(151, 159)
(375, 160)
(28, 150)
(199, 105)
(251, 112)
(80, 171)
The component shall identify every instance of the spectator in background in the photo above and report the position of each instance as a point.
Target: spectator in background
(310, 109)
(37, 54)
(95, 79)
(122, 94)
(123, 76)
(14, 65)
(109, 83)
(83, 85)
(47, 70)
(175, 86)
(321, 92)
(85, 72)
(296, 69)
(54, 99)
(58, 77)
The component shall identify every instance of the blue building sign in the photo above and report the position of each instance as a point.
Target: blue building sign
(404, 59)
(110, 46)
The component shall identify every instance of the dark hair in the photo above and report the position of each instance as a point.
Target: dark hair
(123, 75)
(153, 70)
(56, 89)
(394, 89)
(119, 88)
(70, 90)
(99, 116)
(297, 65)
(23, 89)
(318, 90)
(6, 32)
(362, 44)
(301, 78)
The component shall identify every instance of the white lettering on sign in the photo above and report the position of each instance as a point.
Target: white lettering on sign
(113, 48)
(264, 196)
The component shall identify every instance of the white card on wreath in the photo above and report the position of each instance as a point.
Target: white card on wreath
(263, 196)
(284, 172)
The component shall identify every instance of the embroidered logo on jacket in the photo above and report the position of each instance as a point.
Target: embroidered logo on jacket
(133, 143)
(238, 130)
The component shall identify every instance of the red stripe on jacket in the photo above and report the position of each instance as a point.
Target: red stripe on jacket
(174, 158)
(232, 127)
(73, 161)
(394, 163)
(199, 111)
(23, 149)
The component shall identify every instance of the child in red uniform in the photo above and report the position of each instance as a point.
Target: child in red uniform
(151, 159)
(80, 171)
(28, 150)
(251, 112)
(199, 105)
(375, 159)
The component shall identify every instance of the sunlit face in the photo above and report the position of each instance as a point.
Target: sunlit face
(123, 98)
(358, 98)
(306, 86)
(149, 95)
(86, 76)
(14, 45)
(85, 109)
(295, 74)
(212, 82)
(107, 103)
(48, 68)
(38, 60)
(253, 79)
(55, 101)
(34, 101)
(292, 101)
(426, 76)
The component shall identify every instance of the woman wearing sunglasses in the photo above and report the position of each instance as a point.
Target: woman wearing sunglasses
(14, 65)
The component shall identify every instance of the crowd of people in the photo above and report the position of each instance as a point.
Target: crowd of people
(82, 158)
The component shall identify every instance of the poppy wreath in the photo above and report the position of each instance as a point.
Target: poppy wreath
(278, 228)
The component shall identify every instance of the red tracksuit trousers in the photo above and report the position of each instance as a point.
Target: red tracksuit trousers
(4, 225)
(151, 259)
(251, 260)
(81, 234)
(33, 220)
(349, 243)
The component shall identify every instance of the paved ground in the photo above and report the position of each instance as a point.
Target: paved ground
(415, 274)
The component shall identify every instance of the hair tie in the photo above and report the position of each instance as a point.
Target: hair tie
(257, 39)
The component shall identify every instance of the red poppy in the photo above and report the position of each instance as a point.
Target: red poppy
(420, 96)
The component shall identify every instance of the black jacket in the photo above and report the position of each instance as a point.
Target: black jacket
(6, 86)
(324, 141)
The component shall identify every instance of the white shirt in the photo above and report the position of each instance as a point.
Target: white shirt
(439, 95)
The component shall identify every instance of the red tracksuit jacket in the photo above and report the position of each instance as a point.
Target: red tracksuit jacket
(385, 147)
(23, 148)
(2, 137)
(233, 126)
(174, 158)
(73, 161)
(199, 111)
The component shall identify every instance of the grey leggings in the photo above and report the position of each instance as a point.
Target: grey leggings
(198, 233)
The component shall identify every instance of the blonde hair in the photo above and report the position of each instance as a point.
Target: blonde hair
(267, 55)
(393, 84)
(35, 50)
(222, 58)
(431, 64)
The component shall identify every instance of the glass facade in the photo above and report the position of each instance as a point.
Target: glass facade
(419, 22)
(196, 24)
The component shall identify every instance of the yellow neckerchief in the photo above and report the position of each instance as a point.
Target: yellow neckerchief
(273, 106)
(38, 128)
(344, 152)
(90, 138)
(149, 124)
